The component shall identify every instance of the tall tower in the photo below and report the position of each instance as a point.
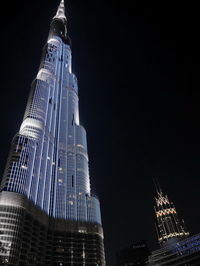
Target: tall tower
(168, 225)
(48, 215)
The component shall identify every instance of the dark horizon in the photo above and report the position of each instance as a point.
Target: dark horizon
(137, 74)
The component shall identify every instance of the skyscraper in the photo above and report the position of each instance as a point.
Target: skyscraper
(168, 225)
(48, 215)
(176, 247)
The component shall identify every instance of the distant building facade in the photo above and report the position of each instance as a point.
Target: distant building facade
(177, 248)
(182, 253)
(169, 226)
(136, 254)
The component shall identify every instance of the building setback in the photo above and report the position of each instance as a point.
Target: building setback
(48, 215)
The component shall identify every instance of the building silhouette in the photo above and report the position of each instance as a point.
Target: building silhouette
(134, 255)
(48, 215)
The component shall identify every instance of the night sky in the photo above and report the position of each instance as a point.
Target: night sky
(138, 76)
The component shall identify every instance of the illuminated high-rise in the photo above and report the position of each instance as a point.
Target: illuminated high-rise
(176, 246)
(168, 225)
(48, 215)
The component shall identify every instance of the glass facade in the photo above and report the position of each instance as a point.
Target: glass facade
(48, 167)
(30, 237)
(182, 253)
(48, 161)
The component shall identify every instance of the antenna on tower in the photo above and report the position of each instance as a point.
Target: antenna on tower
(157, 185)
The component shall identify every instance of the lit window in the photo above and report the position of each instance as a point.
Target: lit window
(82, 231)
(83, 255)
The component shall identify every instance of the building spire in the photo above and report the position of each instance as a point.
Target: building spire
(61, 11)
(157, 185)
(59, 25)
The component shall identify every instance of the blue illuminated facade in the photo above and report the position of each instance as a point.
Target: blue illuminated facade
(48, 162)
(48, 215)
(185, 252)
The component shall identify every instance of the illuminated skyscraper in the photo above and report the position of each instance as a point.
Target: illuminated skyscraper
(168, 225)
(48, 215)
(176, 246)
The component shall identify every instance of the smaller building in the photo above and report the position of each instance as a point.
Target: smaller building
(169, 226)
(137, 254)
(185, 252)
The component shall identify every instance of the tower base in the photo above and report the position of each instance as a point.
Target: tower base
(29, 237)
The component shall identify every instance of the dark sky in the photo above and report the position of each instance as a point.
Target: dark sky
(138, 76)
